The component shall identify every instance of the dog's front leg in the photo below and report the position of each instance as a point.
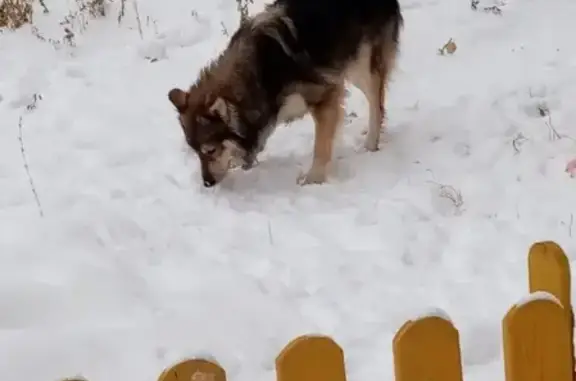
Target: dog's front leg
(250, 161)
(327, 118)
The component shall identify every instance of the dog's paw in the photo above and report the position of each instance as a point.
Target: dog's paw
(250, 161)
(371, 146)
(372, 140)
(250, 164)
(313, 176)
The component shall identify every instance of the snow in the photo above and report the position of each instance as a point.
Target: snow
(135, 265)
(537, 295)
(433, 312)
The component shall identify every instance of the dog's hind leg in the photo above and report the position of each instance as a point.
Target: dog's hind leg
(382, 62)
(368, 74)
(327, 115)
(378, 59)
(376, 94)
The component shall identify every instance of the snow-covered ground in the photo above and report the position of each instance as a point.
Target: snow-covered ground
(134, 265)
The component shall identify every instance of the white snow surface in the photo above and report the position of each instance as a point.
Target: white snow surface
(433, 312)
(135, 265)
(538, 295)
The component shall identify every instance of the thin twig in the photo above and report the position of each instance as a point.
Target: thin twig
(135, 4)
(495, 9)
(554, 135)
(243, 9)
(270, 237)
(517, 142)
(122, 11)
(44, 7)
(27, 167)
(450, 193)
(224, 30)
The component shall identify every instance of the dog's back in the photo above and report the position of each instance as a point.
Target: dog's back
(331, 31)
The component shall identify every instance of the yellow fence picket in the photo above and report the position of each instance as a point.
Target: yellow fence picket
(537, 343)
(194, 370)
(427, 349)
(549, 271)
(311, 358)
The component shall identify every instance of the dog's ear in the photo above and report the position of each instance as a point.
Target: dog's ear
(220, 107)
(228, 112)
(179, 99)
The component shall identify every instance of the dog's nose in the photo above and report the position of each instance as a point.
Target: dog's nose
(209, 183)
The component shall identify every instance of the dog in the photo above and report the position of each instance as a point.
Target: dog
(290, 60)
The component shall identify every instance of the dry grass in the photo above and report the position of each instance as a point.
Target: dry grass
(85, 10)
(452, 194)
(448, 48)
(494, 9)
(15, 13)
(243, 9)
(29, 108)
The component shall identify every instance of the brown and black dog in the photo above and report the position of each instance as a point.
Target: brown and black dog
(291, 59)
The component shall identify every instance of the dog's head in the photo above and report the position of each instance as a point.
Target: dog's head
(211, 130)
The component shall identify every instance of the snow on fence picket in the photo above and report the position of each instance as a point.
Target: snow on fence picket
(537, 339)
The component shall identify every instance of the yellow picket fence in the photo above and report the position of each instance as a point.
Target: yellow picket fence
(537, 339)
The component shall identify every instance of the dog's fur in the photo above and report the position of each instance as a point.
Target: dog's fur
(289, 60)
